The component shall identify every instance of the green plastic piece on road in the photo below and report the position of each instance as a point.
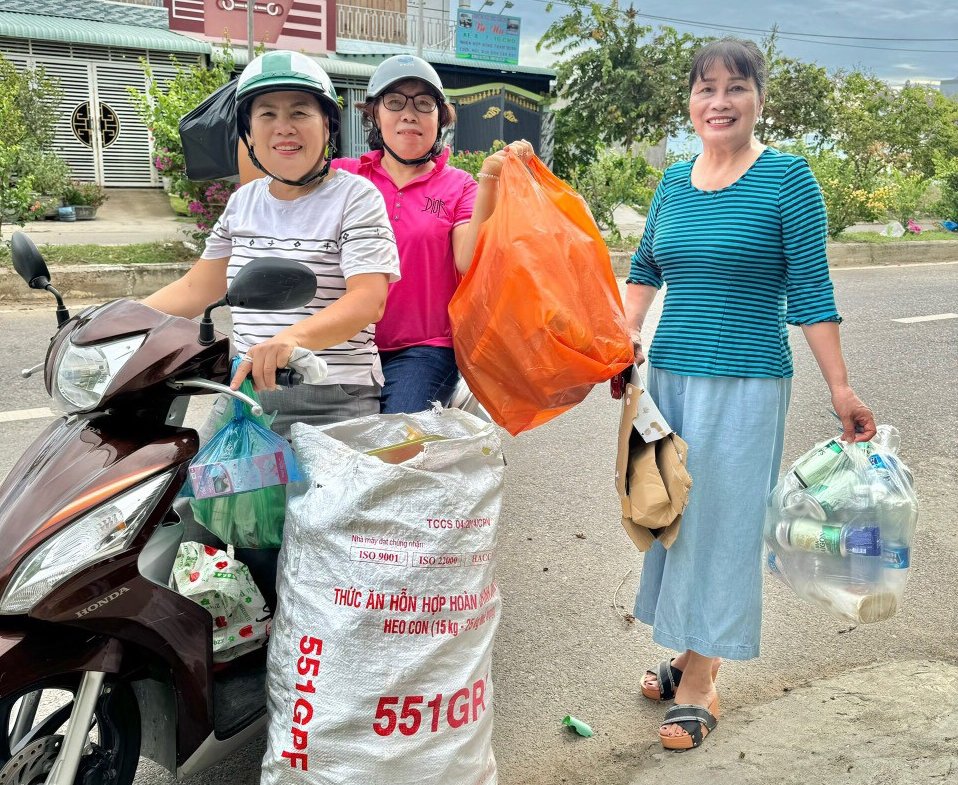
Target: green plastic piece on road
(578, 726)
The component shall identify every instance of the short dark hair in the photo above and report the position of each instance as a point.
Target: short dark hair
(374, 139)
(740, 57)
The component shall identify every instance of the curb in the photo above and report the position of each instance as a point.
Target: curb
(856, 254)
(107, 282)
(93, 282)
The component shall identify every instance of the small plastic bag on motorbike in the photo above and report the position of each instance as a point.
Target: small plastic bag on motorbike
(223, 585)
(381, 647)
(840, 525)
(237, 479)
(537, 320)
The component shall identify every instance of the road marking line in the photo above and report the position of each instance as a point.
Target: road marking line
(27, 414)
(932, 318)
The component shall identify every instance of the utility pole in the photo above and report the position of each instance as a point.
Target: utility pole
(250, 4)
(421, 26)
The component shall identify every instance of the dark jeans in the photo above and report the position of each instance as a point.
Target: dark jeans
(417, 376)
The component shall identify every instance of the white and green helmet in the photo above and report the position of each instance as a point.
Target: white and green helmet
(284, 70)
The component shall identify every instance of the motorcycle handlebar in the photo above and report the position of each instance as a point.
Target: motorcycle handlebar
(288, 377)
(285, 377)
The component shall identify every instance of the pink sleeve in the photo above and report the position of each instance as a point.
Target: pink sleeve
(466, 201)
(346, 164)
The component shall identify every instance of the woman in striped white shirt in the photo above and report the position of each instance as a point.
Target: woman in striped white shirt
(333, 222)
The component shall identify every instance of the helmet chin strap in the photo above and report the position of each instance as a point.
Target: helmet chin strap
(309, 179)
(410, 161)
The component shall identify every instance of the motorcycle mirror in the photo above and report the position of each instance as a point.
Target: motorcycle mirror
(28, 262)
(272, 284)
(267, 284)
(31, 267)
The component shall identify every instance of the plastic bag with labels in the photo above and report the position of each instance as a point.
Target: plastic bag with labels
(840, 526)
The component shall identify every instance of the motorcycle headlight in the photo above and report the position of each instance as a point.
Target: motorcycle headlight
(83, 373)
(101, 533)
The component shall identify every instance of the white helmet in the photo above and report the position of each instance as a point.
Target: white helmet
(398, 69)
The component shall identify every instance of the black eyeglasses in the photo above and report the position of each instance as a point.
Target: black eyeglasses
(424, 103)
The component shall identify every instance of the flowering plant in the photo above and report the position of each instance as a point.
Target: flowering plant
(207, 205)
(164, 161)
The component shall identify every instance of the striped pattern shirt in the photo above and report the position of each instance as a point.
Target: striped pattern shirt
(740, 263)
(339, 229)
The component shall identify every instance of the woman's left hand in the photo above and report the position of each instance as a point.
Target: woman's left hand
(492, 166)
(858, 422)
(262, 360)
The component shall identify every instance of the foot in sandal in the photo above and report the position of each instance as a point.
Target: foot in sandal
(687, 725)
(661, 684)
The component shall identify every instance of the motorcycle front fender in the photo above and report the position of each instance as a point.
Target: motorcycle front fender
(36, 652)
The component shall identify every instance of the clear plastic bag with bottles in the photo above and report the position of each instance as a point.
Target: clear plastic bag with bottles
(840, 525)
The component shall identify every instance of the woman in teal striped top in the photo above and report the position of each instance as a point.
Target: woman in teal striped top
(738, 234)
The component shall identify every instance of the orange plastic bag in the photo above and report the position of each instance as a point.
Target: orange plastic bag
(538, 320)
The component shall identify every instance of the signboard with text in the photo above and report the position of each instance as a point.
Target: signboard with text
(482, 36)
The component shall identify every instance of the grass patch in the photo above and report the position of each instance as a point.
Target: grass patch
(138, 253)
(908, 237)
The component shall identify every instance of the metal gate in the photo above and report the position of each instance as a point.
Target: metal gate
(99, 133)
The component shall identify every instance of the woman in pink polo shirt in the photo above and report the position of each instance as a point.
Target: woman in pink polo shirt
(436, 211)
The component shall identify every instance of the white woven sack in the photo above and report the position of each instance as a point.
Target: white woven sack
(379, 661)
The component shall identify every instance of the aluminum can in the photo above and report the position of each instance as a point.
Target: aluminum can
(817, 466)
(810, 535)
(834, 539)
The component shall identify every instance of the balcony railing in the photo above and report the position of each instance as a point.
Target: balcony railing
(394, 27)
(152, 3)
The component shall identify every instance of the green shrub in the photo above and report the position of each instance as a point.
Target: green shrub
(615, 179)
(946, 173)
(50, 173)
(77, 193)
(907, 194)
(471, 160)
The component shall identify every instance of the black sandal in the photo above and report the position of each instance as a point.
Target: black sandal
(692, 719)
(669, 678)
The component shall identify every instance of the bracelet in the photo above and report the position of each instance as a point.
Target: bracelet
(482, 175)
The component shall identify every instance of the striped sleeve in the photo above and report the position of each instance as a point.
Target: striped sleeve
(810, 296)
(643, 269)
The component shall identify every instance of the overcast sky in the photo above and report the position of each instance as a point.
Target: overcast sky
(881, 19)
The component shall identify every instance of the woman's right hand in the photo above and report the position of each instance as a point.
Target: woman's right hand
(639, 354)
(637, 349)
(492, 165)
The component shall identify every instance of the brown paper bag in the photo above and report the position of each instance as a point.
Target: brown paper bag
(651, 478)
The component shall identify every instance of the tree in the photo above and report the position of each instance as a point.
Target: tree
(879, 128)
(28, 115)
(576, 144)
(160, 108)
(614, 180)
(617, 78)
(798, 98)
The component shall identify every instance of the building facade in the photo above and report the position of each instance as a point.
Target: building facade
(96, 63)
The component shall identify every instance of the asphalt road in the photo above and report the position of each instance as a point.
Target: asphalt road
(568, 573)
